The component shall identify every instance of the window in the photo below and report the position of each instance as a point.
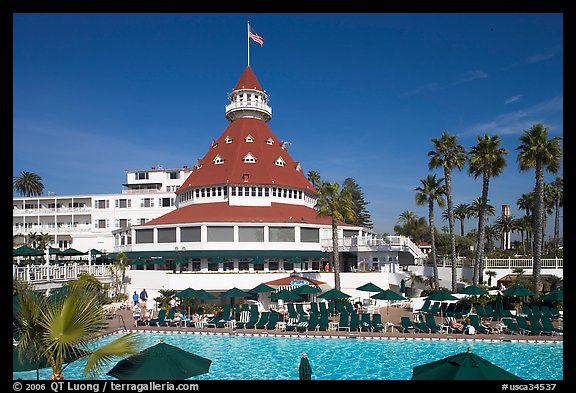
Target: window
(273, 264)
(249, 138)
(123, 203)
(220, 234)
(190, 234)
(218, 160)
(348, 233)
(196, 265)
(228, 140)
(280, 161)
(166, 202)
(147, 202)
(249, 158)
(100, 204)
(281, 234)
(173, 175)
(310, 235)
(123, 223)
(269, 141)
(250, 234)
(166, 235)
(142, 175)
(144, 236)
(101, 224)
(233, 192)
(298, 167)
(243, 264)
(228, 265)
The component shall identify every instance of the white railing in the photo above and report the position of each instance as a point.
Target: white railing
(502, 263)
(43, 273)
(49, 229)
(51, 210)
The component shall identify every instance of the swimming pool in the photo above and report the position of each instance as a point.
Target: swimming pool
(278, 358)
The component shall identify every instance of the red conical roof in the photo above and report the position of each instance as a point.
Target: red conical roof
(248, 81)
(264, 147)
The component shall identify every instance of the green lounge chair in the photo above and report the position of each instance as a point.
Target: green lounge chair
(527, 311)
(168, 318)
(546, 311)
(491, 313)
(314, 308)
(425, 307)
(160, 318)
(535, 324)
(303, 321)
(365, 322)
(377, 325)
(406, 325)
(314, 322)
(291, 325)
(354, 322)
(420, 326)
(466, 309)
(254, 318)
(245, 307)
(323, 306)
(264, 317)
(340, 307)
(431, 323)
(236, 311)
(450, 309)
(455, 312)
(528, 329)
(344, 322)
(348, 306)
(273, 320)
(300, 309)
(292, 312)
(555, 312)
(475, 322)
(481, 312)
(323, 321)
(434, 309)
(536, 311)
(511, 327)
(548, 325)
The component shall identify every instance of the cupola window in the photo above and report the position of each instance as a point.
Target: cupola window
(228, 139)
(218, 160)
(249, 138)
(249, 158)
(280, 161)
(269, 141)
(298, 167)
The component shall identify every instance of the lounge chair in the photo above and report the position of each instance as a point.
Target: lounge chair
(546, 311)
(254, 318)
(314, 308)
(292, 312)
(226, 312)
(526, 311)
(449, 325)
(243, 319)
(425, 307)
(365, 322)
(481, 312)
(535, 324)
(406, 324)
(245, 307)
(450, 309)
(475, 322)
(300, 309)
(466, 310)
(456, 311)
(169, 316)
(314, 321)
(548, 325)
(528, 329)
(323, 306)
(323, 321)
(377, 325)
(506, 314)
(434, 309)
(291, 325)
(354, 322)
(490, 312)
(340, 307)
(555, 312)
(344, 322)
(264, 317)
(272, 320)
(419, 325)
(160, 318)
(236, 311)
(431, 323)
(348, 306)
(536, 311)
(511, 327)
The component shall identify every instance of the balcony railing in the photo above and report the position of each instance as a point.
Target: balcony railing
(42, 274)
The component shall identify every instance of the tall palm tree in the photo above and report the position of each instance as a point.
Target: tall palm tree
(59, 328)
(491, 233)
(526, 203)
(339, 206)
(487, 159)
(28, 184)
(558, 197)
(462, 211)
(490, 274)
(523, 225)
(431, 192)
(314, 179)
(448, 154)
(32, 239)
(506, 225)
(44, 239)
(476, 206)
(538, 152)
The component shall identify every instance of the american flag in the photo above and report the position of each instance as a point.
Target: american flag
(255, 37)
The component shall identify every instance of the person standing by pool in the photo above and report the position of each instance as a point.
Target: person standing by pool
(135, 298)
(143, 296)
(136, 313)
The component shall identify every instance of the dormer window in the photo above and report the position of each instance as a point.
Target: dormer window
(214, 144)
(298, 167)
(198, 164)
(280, 161)
(284, 145)
(269, 141)
(249, 158)
(249, 138)
(228, 139)
(218, 160)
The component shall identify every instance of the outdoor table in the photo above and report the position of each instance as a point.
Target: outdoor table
(389, 325)
(230, 324)
(281, 326)
(333, 325)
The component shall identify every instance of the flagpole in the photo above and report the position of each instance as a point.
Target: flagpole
(248, 37)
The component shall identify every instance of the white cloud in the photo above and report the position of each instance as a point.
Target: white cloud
(538, 57)
(512, 99)
(467, 76)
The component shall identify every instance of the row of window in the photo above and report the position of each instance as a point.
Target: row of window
(146, 175)
(226, 234)
(127, 203)
(195, 265)
(251, 191)
(120, 223)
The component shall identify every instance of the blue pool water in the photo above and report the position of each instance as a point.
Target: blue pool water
(273, 358)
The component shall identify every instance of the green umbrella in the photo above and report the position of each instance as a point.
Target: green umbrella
(258, 261)
(388, 294)
(295, 260)
(187, 293)
(260, 288)
(285, 295)
(157, 261)
(180, 262)
(305, 370)
(72, 252)
(138, 262)
(463, 366)
(161, 362)
(518, 290)
(474, 290)
(370, 287)
(554, 296)
(306, 290)
(235, 292)
(203, 295)
(26, 251)
(334, 294)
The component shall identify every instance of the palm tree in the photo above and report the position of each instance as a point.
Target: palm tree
(490, 274)
(448, 154)
(32, 239)
(339, 206)
(523, 225)
(506, 225)
(28, 184)
(314, 179)
(539, 153)
(44, 239)
(462, 211)
(526, 203)
(491, 232)
(477, 205)
(119, 266)
(557, 193)
(486, 159)
(431, 192)
(59, 328)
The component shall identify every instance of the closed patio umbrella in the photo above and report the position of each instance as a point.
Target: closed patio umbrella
(305, 370)
(463, 366)
(402, 286)
(161, 362)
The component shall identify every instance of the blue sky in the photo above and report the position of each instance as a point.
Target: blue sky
(358, 95)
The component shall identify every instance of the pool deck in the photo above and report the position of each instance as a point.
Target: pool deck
(119, 323)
